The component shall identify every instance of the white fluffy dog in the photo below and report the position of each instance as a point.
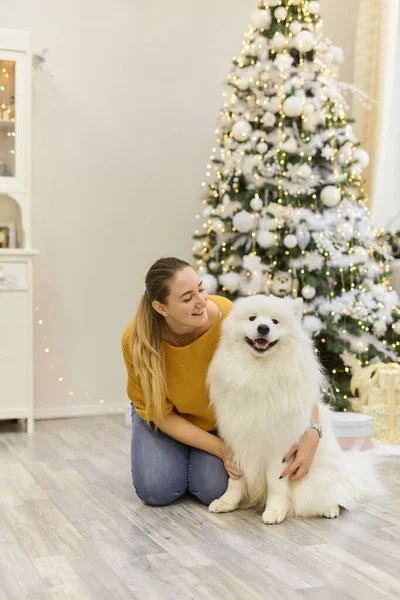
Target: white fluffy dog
(264, 380)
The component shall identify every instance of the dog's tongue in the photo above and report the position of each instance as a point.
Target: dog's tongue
(261, 343)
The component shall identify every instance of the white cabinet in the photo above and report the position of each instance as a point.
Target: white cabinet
(16, 342)
(16, 254)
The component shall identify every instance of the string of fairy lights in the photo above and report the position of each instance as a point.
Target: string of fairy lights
(290, 14)
(58, 377)
(7, 115)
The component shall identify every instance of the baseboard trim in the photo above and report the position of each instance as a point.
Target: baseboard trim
(77, 410)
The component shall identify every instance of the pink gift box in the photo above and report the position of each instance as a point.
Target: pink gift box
(353, 430)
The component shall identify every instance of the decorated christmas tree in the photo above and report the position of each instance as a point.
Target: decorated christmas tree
(285, 210)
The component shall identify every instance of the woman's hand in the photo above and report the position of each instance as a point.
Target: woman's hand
(303, 454)
(229, 463)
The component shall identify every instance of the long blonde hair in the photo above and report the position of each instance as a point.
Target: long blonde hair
(146, 338)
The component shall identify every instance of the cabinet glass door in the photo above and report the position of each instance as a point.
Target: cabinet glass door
(7, 118)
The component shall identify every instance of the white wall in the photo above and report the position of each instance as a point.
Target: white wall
(340, 21)
(386, 201)
(124, 113)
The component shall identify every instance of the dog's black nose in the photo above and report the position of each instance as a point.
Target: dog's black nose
(263, 329)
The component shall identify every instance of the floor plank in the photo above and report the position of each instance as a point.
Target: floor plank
(71, 527)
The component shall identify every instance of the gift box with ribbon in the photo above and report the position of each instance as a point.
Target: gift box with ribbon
(378, 389)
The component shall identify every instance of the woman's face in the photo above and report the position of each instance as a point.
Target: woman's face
(187, 301)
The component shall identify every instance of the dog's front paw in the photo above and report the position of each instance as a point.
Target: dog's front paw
(331, 512)
(272, 517)
(219, 506)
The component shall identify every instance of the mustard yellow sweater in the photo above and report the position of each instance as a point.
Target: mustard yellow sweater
(186, 372)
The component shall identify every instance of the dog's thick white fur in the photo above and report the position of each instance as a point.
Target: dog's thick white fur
(263, 393)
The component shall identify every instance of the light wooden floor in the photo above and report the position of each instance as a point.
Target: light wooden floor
(71, 527)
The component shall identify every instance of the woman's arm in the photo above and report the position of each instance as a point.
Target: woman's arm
(315, 415)
(184, 431)
(303, 452)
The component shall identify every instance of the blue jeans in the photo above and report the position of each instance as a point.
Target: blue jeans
(164, 469)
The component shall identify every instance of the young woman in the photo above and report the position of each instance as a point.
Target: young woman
(167, 349)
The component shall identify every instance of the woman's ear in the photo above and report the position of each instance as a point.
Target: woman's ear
(158, 307)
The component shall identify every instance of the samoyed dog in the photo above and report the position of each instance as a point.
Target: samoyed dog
(264, 380)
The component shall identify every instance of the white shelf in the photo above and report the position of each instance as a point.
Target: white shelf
(18, 252)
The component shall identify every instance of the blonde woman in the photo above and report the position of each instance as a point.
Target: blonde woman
(167, 349)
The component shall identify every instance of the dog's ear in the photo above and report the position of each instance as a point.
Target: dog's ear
(298, 307)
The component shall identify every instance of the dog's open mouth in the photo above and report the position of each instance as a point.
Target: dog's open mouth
(260, 345)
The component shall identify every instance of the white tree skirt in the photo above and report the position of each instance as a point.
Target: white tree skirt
(386, 449)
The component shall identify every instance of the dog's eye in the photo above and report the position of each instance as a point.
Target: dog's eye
(252, 318)
(275, 321)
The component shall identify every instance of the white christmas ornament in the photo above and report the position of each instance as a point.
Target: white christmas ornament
(345, 153)
(278, 41)
(295, 27)
(292, 106)
(312, 324)
(261, 19)
(396, 327)
(231, 281)
(362, 157)
(265, 239)
(243, 221)
(304, 41)
(197, 244)
(304, 171)
(243, 84)
(256, 204)
(274, 104)
(269, 119)
(295, 82)
(262, 147)
(314, 7)
(303, 237)
(290, 241)
(210, 283)
(283, 61)
(308, 110)
(308, 292)
(280, 13)
(330, 196)
(242, 131)
(356, 169)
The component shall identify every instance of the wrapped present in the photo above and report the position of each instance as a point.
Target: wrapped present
(352, 430)
(379, 397)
